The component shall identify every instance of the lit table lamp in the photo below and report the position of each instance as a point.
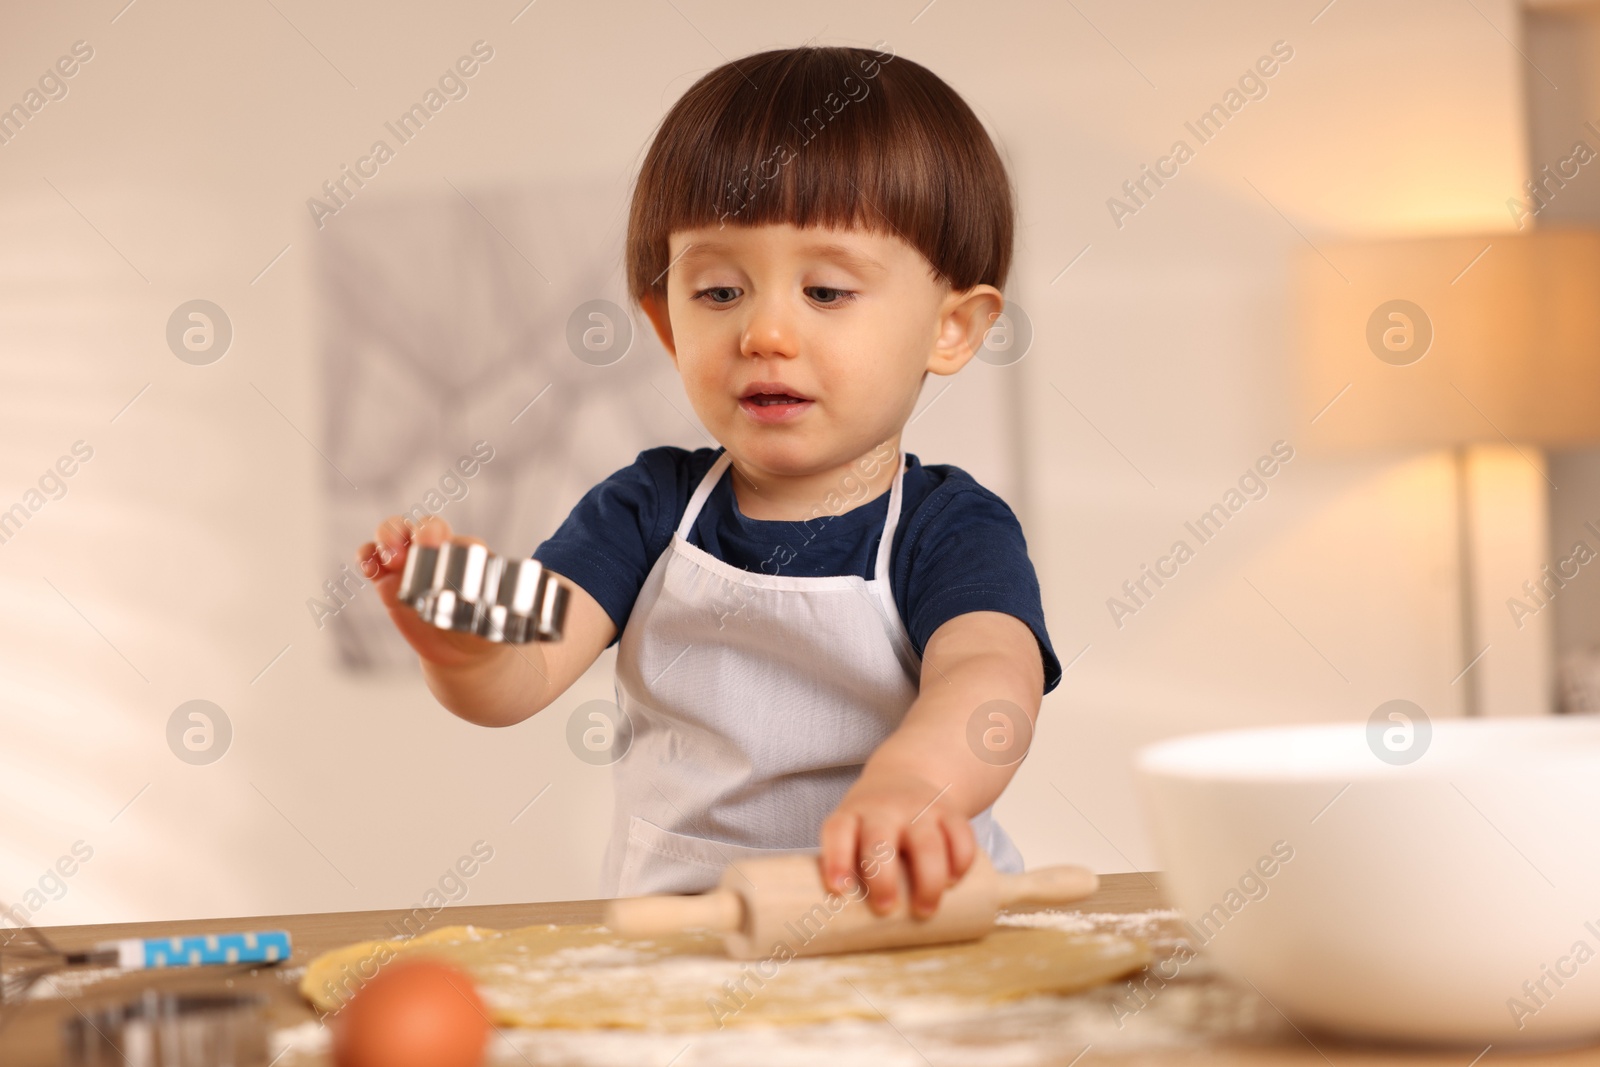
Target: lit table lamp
(1451, 342)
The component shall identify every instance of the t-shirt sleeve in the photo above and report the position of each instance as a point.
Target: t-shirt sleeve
(611, 539)
(970, 555)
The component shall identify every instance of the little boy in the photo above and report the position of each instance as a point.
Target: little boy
(809, 624)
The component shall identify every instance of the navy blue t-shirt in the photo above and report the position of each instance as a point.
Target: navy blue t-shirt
(958, 547)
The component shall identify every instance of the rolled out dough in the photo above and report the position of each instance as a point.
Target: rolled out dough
(586, 977)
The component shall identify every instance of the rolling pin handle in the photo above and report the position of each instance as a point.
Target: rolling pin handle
(1048, 885)
(720, 910)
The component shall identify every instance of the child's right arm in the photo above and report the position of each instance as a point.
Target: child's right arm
(484, 682)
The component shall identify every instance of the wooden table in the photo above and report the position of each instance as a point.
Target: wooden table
(30, 1036)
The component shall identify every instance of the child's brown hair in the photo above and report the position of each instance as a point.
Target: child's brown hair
(826, 136)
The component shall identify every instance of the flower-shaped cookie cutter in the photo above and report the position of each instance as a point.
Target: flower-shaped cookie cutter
(468, 589)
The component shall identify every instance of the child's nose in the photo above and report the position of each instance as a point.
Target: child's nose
(771, 329)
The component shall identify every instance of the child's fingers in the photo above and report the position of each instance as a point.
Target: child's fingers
(880, 867)
(369, 560)
(432, 531)
(839, 837)
(928, 856)
(963, 844)
(383, 563)
(392, 538)
(377, 565)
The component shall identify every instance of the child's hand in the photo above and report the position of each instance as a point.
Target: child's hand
(384, 560)
(885, 814)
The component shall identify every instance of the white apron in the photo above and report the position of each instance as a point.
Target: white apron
(754, 701)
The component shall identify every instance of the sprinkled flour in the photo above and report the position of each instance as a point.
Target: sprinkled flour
(1146, 924)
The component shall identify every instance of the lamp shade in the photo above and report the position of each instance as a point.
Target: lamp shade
(1435, 341)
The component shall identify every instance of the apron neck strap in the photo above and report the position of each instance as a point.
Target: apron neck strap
(880, 564)
(702, 491)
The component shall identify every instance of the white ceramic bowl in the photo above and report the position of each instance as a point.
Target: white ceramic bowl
(1407, 902)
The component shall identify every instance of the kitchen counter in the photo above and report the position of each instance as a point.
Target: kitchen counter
(1167, 1015)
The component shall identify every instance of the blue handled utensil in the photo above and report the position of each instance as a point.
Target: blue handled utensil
(137, 954)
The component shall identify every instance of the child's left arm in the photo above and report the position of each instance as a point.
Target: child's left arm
(924, 782)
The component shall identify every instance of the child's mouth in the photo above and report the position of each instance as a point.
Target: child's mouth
(771, 407)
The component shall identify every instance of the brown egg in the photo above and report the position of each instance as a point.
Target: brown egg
(413, 1013)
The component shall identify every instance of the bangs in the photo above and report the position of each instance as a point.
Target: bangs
(839, 137)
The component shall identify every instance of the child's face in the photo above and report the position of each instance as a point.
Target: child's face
(846, 319)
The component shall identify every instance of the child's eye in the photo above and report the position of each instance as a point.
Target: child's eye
(720, 295)
(714, 301)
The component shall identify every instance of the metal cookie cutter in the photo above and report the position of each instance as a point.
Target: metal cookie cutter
(169, 1029)
(468, 589)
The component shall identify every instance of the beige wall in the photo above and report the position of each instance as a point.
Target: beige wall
(177, 565)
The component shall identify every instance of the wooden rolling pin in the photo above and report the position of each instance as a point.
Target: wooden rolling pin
(764, 904)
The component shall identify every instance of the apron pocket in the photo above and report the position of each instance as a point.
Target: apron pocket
(657, 860)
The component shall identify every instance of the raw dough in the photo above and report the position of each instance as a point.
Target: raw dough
(586, 977)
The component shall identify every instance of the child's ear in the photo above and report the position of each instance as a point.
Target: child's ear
(655, 306)
(965, 317)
